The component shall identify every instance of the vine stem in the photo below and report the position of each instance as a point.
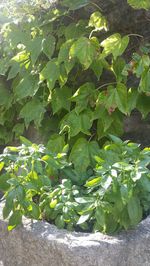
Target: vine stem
(106, 84)
(136, 35)
(95, 30)
(94, 4)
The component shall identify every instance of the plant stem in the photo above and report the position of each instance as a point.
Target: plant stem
(106, 84)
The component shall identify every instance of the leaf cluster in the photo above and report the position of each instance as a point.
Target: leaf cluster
(53, 68)
(111, 194)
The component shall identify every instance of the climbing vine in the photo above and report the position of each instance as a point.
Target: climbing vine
(54, 68)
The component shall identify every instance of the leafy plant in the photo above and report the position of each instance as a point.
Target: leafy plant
(53, 67)
(111, 193)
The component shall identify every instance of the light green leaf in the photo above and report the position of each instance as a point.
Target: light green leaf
(85, 50)
(32, 111)
(98, 21)
(93, 182)
(60, 99)
(139, 4)
(35, 48)
(51, 73)
(49, 46)
(1, 166)
(114, 45)
(28, 86)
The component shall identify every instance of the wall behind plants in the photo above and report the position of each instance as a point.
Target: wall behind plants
(66, 72)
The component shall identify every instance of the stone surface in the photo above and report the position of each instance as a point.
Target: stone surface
(42, 244)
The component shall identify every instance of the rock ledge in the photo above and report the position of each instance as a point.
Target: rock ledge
(42, 244)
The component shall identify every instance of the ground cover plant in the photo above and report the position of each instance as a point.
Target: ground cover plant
(67, 75)
(112, 193)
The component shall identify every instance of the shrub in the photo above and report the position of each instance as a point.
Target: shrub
(112, 194)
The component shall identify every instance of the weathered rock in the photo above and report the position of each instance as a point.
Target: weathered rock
(39, 243)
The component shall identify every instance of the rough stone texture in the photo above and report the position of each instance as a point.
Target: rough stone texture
(42, 244)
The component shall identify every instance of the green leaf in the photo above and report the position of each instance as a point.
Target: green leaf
(118, 67)
(83, 218)
(25, 141)
(83, 96)
(15, 68)
(14, 220)
(34, 211)
(50, 73)
(144, 85)
(56, 143)
(139, 4)
(17, 35)
(18, 129)
(60, 99)
(98, 21)
(97, 67)
(63, 75)
(74, 123)
(4, 186)
(93, 182)
(82, 154)
(85, 50)
(4, 94)
(100, 216)
(132, 99)
(75, 4)
(76, 30)
(110, 124)
(63, 55)
(134, 210)
(35, 48)
(1, 166)
(59, 221)
(122, 98)
(20, 192)
(28, 86)
(143, 104)
(114, 45)
(49, 46)
(32, 111)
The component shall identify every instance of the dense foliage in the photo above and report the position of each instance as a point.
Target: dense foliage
(112, 195)
(69, 77)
